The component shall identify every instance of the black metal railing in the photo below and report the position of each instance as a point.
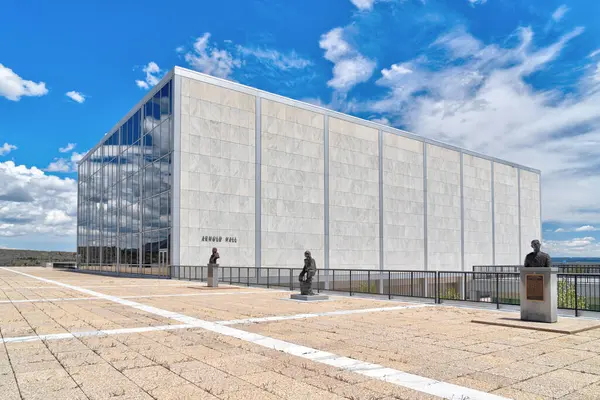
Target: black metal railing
(576, 291)
(563, 268)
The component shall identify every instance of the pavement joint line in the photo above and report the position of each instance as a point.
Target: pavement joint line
(100, 332)
(315, 315)
(108, 332)
(105, 286)
(375, 371)
(132, 297)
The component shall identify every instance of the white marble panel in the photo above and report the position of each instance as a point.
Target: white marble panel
(217, 174)
(506, 214)
(292, 184)
(530, 210)
(443, 209)
(353, 195)
(477, 192)
(403, 228)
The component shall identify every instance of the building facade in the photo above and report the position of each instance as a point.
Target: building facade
(203, 162)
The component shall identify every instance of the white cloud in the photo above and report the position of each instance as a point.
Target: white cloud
(475, 2)
(382, 120)
(76, 157)
(349, 66)
(76, 96)
(36, 205)
(13, 87)
(65, 165)
(210, 60)
(59, 165)
(594, 53)
(480, 99)
(7, 148)
(275, 58)
(153, 76)
(586, 228)
(67, 148)
(559, 13)
(363, 4)
(559, 230)
(576, 247)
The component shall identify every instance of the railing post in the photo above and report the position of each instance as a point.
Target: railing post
(291, 279)
(268, 276)
(464, 286)
(333, 281)
(389, 284)
(279, 277)
(318, 282)
(248, 276)
(412, 284)
(350, 282)
(576, 299)
(369, 281)
(497, 291)
(437, 287)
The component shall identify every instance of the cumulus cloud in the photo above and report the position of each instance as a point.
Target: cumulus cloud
(65, 165)
(363, 4)
(153, 76)
(577, 247)
(210, 60)
(349, 66)
(559, 13)
(75, 96)
(477, 96)
(586, 228)
(67, 148)
(13, 87)
(7, 148)
(36, 204)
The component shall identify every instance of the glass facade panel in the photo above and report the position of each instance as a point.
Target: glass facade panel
(124, 193)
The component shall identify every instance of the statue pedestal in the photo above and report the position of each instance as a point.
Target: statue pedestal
(309, 297)
(539, 293)
(213, 275)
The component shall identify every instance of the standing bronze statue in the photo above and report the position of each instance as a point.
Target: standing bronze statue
(537, 258)
(306, 276)
(214, 256)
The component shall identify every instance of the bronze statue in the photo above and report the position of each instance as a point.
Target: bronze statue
(305, 277)
(537, 258)
(214, 256)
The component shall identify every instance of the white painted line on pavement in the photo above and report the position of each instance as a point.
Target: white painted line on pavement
(375, 371)
(134, 297)
(107, 332)
(315, 315)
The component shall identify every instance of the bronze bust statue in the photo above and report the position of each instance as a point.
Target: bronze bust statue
(537, 258)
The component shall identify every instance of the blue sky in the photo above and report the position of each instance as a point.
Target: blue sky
(518, 80)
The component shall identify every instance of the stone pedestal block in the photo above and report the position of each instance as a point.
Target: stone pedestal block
(539, 294)
(305, 297)
(213, 275)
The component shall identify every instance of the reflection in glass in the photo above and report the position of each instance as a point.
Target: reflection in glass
(124, 192)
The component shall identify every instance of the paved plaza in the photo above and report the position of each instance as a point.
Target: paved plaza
(67, 335)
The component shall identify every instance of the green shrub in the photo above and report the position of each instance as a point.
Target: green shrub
(451, 294)
(364, 288)
(566, 296)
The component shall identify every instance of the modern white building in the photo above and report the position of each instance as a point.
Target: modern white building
(202, 162)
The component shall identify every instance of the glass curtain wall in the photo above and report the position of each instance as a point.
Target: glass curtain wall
(124, 194)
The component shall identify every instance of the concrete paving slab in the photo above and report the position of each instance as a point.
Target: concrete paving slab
(565, 326)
